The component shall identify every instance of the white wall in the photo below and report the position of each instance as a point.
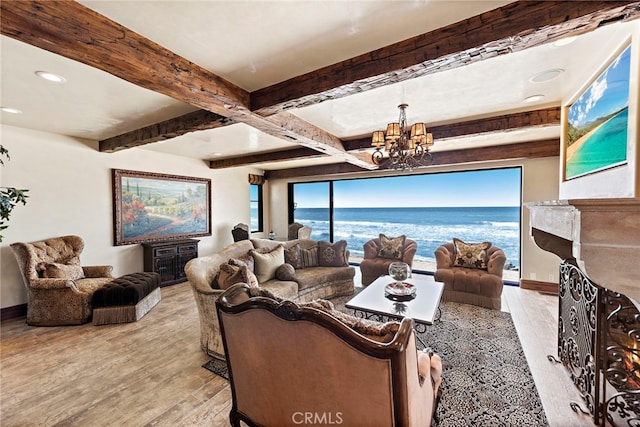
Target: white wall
(70, 192)
(539, 183)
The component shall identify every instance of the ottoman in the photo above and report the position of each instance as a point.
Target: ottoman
(126, 299)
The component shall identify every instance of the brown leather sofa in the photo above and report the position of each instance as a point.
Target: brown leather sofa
(59, 289)
(289, 363)
(471, 285)
(372, 266)
(306, 285)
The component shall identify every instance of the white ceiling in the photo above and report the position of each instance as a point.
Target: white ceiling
(255, 44)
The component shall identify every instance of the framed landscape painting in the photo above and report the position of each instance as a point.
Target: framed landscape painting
(598, 121)
(153, 207)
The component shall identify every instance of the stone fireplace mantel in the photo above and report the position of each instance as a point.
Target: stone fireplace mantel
(602, 235)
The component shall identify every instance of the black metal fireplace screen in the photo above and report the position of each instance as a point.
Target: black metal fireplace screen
(599, 344)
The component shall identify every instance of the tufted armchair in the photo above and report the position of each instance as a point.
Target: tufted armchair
(373, 266)
(59, 289)
(475, 286)
(286, 360)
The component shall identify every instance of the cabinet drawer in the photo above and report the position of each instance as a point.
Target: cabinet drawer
(164, 251)
(187, 249)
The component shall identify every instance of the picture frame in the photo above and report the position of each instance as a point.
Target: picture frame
(149, 207)
(595, 135)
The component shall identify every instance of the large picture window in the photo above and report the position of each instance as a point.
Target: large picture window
(474, 206)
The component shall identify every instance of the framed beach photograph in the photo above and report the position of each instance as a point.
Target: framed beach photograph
(154, 207)
(597, 123)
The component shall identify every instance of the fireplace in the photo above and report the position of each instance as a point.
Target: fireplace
(598, 242)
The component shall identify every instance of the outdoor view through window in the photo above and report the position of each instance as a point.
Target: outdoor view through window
(432, 209)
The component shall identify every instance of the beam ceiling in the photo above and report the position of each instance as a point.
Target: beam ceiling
(74, 31)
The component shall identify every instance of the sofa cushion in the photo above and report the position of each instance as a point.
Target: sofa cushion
(266, 264)
(56, 270)
(391, 247)
(309, 257)
(281, 288)
(470, 255)
(310, 277)
(293, 256)
(332, 255)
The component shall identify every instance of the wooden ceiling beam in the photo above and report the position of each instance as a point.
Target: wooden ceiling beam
(523, 150)
(74, 31)
(513, 27)
(253, 159)
(191, 122)
(527, 119)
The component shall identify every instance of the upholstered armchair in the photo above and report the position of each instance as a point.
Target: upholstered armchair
(470, 284)
(376, 263)
(59, 289)
(298, 231)
(288, 361)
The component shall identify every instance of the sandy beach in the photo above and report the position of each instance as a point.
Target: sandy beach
(571, 150)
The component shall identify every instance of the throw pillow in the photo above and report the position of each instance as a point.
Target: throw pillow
(392, 248)
(227, 275)
(332, 255)
(63, 271)
(309, 257)
(286, 272)
(266, 264)
(377, 331)
(293, 256)
(249, 278)
(470, 255)
(231, 274)
(243, 260)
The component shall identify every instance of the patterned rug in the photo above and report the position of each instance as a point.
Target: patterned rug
(486, 379)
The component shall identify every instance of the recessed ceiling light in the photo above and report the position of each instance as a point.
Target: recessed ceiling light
(10, 110)
(565, 41)
(546, 75)
(533, 98)
(50, 76)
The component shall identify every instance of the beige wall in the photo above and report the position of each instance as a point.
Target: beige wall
(539, 182)
(69, 184)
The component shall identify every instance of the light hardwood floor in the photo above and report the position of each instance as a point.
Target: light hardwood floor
(149, 373)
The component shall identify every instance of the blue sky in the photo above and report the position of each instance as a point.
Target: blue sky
(608, 93)
(497, 187)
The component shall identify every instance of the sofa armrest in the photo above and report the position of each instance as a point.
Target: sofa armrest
(371, 249)
(496, 261)
(409, 252)
(96, 271)
(45, 284)
(443, 257)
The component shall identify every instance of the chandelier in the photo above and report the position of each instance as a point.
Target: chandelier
(407, 147)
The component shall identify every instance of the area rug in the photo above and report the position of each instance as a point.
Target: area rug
(486, 379)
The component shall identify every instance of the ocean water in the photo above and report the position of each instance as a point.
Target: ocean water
(607, 146)
(429, 227)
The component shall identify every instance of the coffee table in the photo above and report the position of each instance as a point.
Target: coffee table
(423, 309)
